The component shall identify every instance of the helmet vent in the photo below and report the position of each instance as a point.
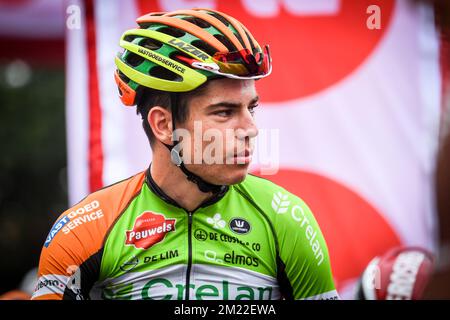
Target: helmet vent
(130, 37)
(225, 41)
(202, 45)
(237, 35)
(123, 76)
(251, 42)
(198, 22)
(163, 73)
(151, 44)
(219, 17)
(175, 56)
(174, 32)
(133, 59)
(228, 24)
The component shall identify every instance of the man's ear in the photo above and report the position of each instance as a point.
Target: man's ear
(160, 121)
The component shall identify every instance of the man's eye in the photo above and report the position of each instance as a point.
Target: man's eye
(252, 109)
(224, 113)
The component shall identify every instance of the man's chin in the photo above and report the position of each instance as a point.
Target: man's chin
(237, 174)
(224, 174)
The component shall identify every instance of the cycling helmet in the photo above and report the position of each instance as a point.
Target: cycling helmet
(179, 51)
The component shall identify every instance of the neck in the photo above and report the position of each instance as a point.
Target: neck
(173, 182)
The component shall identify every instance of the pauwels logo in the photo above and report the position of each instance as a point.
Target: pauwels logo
(149, 229)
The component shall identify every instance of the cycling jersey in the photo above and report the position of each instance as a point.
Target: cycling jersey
(253, 240)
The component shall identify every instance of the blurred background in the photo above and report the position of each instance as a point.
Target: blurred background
(359, 93)
(33, 162)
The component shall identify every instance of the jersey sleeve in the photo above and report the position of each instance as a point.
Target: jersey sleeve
(72, 253)
(304, 263)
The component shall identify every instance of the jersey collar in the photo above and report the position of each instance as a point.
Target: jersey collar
(161, 194)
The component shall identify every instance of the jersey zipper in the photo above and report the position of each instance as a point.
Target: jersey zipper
(188, 274)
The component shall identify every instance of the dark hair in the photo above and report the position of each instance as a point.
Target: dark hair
(148, 98)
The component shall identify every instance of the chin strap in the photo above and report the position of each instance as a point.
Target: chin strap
(176, 158)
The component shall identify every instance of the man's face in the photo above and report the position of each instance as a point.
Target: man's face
(221, 127)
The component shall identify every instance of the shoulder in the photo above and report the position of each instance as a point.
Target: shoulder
(269, 196)
(289, 215)
(96, 211)
(82, 228)
(258, 187)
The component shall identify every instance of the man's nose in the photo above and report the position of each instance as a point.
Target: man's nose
(247, 127)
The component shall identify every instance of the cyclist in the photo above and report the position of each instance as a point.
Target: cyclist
(187, 229)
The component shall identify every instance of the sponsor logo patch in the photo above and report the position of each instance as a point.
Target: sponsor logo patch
(217, 222)
(200, 235)
(240, 226)
(78, 216)
(149, 229)
(130, 264)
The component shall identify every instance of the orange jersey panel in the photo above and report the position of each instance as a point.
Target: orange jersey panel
(71, 254)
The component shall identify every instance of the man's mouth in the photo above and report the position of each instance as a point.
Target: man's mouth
(244, 157)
